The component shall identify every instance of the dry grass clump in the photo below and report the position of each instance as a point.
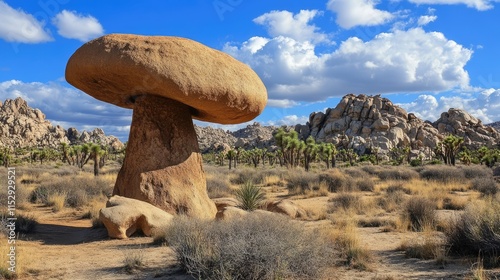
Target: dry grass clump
(56, 201)
(357, 173)
(346, 202)
(485, 185)
(78, 190)
(477, 231)
(336, 181)
(365, 184)
(392, 201)
(476, 171)
(427, 247)
(372, 169)
(348, 241)
(133, 261)
(442, 173)
(300, 182)
(243, 175)
(398, 187)
(256, 247)
(419, 213)
(398, 174)
(455, 202)
(376, 222)
(218, 187)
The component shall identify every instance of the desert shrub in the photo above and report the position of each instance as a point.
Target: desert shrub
(356, 173)
(416, 162)
(477, 171)
(344, 201)
(376, 222)
(365, 185)
(496, 171)
(250, 196)
(477, 231)
(241, 176)
(348, 242)
(133, 261)
(485, 185)
(25, 223)
(77, 198)
(78, 190)
(455, 203)
(337, 181)
(420, 213)
(429, 247)
(301, 182)
(444, 174)
(372, 169)
(218, 187)
(257, 247)
(56, 201)
(394, 173)
(397, 187)
(392, 200)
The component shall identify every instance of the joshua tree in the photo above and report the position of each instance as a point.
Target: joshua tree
(451, 144)
(231, 156)
(310, 151)
(95, 152)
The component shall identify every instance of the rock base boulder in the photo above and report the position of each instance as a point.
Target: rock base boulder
(123, 216)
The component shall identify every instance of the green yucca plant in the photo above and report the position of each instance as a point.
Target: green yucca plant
(250, 196)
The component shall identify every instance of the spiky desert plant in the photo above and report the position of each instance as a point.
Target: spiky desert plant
(250, 196)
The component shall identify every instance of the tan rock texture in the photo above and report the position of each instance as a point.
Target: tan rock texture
(118, 67)
(231, 212)
(163, 165)
(124, 216)
(286, 207)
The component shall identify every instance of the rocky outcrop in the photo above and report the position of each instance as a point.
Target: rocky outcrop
(95, 136)
(255, 136)
(213, 139)
(123, 216)
(366, 122)
(22, 126)
(460, 123)
(495, 125)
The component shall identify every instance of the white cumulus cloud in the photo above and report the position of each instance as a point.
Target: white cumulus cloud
(401, 61)
(297, 27)
(19, 26)
(480, 5)
(351, 13)
(484, 105)
(74, 26)
(282, 103)
(424, 20)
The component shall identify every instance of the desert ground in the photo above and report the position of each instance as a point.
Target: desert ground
(381, 222)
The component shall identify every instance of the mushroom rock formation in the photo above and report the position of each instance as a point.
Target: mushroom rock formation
(167, 81)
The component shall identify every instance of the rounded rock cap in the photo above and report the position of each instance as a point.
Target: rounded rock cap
(117, 68)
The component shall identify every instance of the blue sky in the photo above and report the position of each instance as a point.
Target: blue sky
(425, 55)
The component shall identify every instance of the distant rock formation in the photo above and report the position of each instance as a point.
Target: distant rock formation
(362, 123)
(22, 126)
(252, 136)
(459, 122)
(365, 122)
(495, 125)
